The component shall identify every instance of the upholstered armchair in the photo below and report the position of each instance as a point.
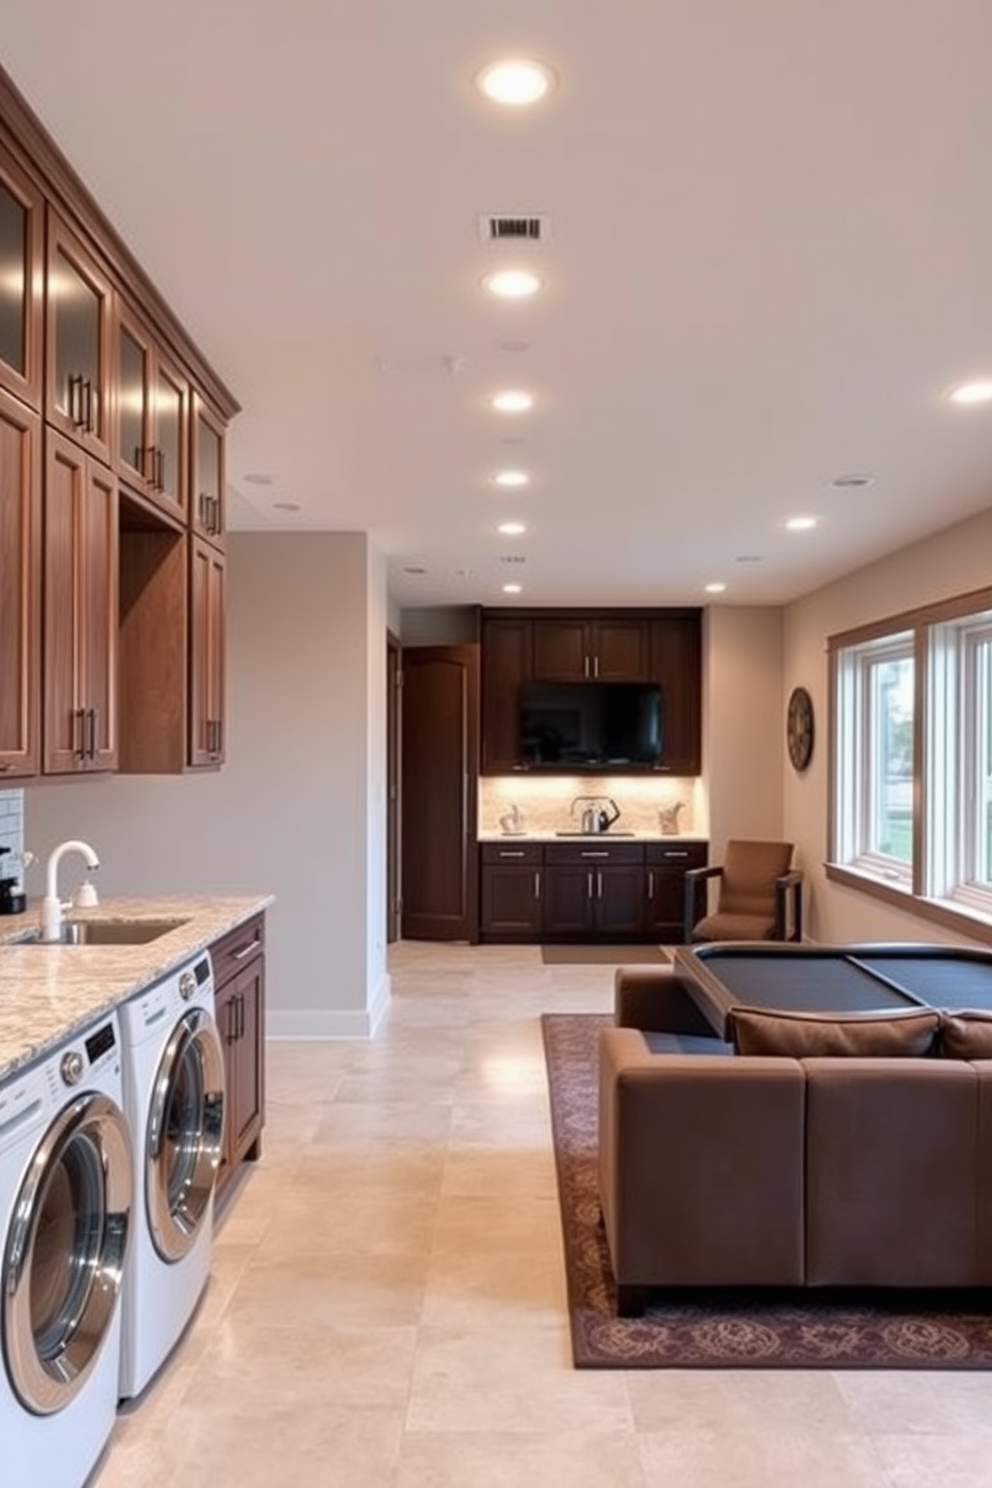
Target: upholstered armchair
(759, 896)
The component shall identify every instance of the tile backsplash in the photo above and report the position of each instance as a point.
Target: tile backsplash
(544, 806)
(11, 827)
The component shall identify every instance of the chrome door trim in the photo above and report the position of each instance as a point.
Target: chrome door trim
(179, 1182)
(47, 1374)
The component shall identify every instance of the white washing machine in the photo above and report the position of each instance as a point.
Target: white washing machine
(66, 1182)
(174, 1100)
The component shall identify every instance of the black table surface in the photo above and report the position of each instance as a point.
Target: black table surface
(862, 978)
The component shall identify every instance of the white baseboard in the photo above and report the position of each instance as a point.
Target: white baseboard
(329, 1023)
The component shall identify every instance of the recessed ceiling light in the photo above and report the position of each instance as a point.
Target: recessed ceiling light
(851, 482)
(715, 588)
(972, 392)
(513, 284)
(516, 82)
(510, 478)
(512, 401)
(512, 529)
(801, 524)
(512, 588)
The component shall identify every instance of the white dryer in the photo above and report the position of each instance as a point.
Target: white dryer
(174, 1100)
(66, 1185)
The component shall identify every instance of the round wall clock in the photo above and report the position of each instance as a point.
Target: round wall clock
(799, 729)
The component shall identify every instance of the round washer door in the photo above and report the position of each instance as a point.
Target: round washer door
(184, 1135)
(65, 1253)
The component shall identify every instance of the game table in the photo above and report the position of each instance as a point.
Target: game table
(862, 978)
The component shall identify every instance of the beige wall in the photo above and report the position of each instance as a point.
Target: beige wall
(743, 750)
(952, 562)
(298, 810)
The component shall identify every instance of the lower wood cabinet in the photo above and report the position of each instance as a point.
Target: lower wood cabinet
(511, 886)
(582, 891)
(666, 865)
(595, 890)
(239, 989)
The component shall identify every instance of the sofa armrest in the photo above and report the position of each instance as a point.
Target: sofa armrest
(657, 1000)
(700, 1166)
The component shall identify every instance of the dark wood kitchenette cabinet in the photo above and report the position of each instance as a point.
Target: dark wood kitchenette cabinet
(584, 890)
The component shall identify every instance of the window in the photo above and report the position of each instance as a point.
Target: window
(875, 716)
(911, 795)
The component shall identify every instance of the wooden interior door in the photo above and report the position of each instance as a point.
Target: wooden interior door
(439, 763)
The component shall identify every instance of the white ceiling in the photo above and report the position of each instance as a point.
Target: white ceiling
(770, 257)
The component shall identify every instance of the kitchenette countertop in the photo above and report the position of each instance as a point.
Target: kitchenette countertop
(576, 836)
(48, 992)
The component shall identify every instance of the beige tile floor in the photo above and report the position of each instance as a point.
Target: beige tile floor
(387, 1307)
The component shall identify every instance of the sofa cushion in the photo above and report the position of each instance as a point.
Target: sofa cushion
(966, 1034)
(905, 1034)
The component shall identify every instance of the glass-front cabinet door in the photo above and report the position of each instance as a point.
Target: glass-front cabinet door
(21, 292)
(78, 342)
(150, 426)
(207, 508)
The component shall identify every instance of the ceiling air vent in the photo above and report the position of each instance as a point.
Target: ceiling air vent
(514, 229)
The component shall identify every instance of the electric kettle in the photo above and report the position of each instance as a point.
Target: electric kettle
(596, 818)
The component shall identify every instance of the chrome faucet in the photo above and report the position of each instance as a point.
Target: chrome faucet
(51, 905)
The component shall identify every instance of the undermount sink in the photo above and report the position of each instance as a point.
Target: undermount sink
(105, 932)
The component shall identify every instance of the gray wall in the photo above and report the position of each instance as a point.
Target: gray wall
(298, 810)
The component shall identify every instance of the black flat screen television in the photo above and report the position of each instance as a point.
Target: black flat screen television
(590, 724)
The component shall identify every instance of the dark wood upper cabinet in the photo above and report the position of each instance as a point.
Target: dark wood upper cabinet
(78, 339)
(506, 647)
(662, 646)
(586, 648)
(22, 252)
(20, 587)
(676, 664)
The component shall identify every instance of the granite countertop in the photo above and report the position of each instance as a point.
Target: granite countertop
(48, 992)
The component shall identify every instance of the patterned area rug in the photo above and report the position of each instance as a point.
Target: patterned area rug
(736, 1331)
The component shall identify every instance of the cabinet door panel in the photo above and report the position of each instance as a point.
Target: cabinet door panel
(676, 664)
(560, 651)
(207, 517)
(619, 903)
(22, 246)
(506, 646)
(80, 612)
(511, 902)
(568, 900)
(20, 587)
(63, 724)
(620, 651)
(207, 630)
(78, 343)
(98, 617)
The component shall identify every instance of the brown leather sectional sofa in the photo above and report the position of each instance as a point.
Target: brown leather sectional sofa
(792, 1169)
